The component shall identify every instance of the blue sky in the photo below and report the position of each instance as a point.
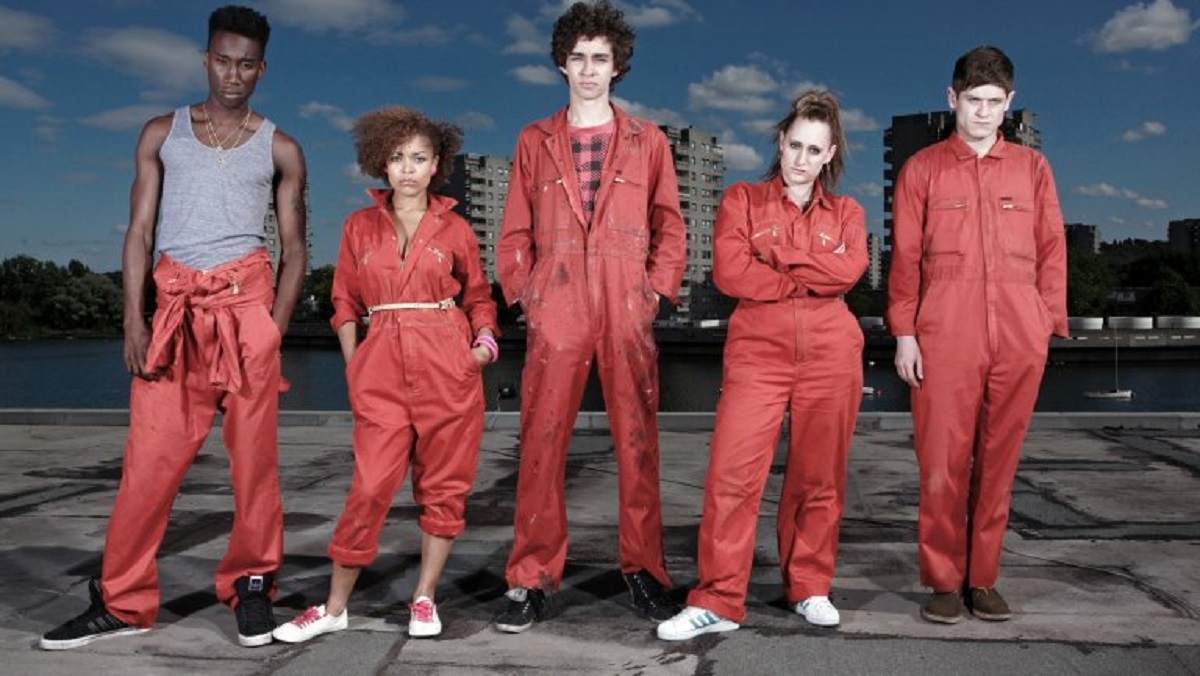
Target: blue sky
(1114, 84)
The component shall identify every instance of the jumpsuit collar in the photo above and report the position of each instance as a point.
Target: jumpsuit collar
(777, 192)
(963, 151)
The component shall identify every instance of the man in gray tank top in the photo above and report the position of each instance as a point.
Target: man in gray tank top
(204, 177)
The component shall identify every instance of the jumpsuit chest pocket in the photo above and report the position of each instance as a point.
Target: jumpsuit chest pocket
(946, 225)
(1016, 227)
(824, 239)
(551, 209)
(763, 236)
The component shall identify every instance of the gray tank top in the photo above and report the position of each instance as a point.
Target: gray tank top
(211, 214)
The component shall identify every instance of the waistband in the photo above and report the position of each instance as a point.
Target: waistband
(447, 304)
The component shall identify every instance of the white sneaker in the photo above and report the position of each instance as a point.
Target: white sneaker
(819, 611)
(691, 622)
(424, 621)
(311, 623)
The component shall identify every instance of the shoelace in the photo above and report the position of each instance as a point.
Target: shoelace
(422, 611)
(311, 615)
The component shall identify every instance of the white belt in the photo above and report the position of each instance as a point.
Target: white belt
(440, 305)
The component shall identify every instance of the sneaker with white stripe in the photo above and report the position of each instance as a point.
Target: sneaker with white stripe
(693, 621)
(819, 611)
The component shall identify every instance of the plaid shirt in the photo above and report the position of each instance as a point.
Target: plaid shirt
(589, 146)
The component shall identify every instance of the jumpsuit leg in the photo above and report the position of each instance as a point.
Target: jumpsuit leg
(251, 434)
(445, 458)
(381, 457)
(628, 369)
(169, 420)
(1011, 395)
(945, 414)
(824, 410)
(557, 361)
(745, 438)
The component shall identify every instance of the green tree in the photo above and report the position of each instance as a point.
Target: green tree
(1089, 282)
(1171, 295)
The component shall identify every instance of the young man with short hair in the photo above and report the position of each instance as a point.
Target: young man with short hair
(592, 237)
(205, 176)
(977, 287)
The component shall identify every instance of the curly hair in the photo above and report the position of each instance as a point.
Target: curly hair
(378, 133)
(818, 106)
(240, 21)
(598, 19)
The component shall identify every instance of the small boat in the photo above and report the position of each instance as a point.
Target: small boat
(1116, 392)
(869, 391)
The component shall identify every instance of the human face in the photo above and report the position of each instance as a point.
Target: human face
(590, 69)
(411, 167)
(804, 149)
(234, 64)
(979, 111)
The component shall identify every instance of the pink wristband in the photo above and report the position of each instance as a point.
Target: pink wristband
(490, 343)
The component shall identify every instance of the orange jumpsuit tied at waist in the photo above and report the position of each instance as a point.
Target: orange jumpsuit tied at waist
(589, 291)
(979, 277)
(793, 346)
(415, 389)
(215, 347)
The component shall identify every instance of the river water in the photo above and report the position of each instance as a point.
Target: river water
(89, 374)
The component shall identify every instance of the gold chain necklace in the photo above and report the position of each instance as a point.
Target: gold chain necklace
(221, 147)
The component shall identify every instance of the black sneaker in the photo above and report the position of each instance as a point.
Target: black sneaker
(650, 599)
(92, 624)
(255, 617)
(525, 606)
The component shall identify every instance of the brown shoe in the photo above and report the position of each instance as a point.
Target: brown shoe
(943, 607)
(988, 604)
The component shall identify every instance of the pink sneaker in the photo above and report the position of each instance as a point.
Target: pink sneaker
(424, 621)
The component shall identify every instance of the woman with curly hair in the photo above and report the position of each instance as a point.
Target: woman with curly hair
(412, 266)
(787, 249)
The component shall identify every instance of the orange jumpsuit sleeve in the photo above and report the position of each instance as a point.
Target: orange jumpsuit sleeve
(668, 234)
(908, 220)
(516, 251)
(827, 273)
(476, 290)
(347, 292)
(1051, 247)
(737, 272)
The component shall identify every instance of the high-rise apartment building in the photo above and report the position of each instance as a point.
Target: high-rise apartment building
(910, 133)
(1083, 237)
(1184, 235)
(271, 228)
(700, 168)
(480, 184)
(874, 260)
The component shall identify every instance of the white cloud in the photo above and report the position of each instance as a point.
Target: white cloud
(475, 120)
(435, 83)
(527, 39)
(742, 89)
(760, 126)
(868, 189)
(16, 95)
(168, 62)
(125, 118)
(48, 127)
(1157, 26)
(343, 16)
(655, 115)
(741, 157)
(353, 172)
(1112, 192)
(22, 31)
(334, 115)
(1149, 128)
(536, 75)
(659, 13)
(854, 119)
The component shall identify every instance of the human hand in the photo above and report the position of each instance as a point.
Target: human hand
(482, 355)
(137, 341)
(909, 365)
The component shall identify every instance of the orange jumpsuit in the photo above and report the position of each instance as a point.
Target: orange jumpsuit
(979, 277)
(214, 338)
(793, 345)
(588, 290)
(415, 389)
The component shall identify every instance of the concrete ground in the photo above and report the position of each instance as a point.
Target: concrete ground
(1101, 560)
